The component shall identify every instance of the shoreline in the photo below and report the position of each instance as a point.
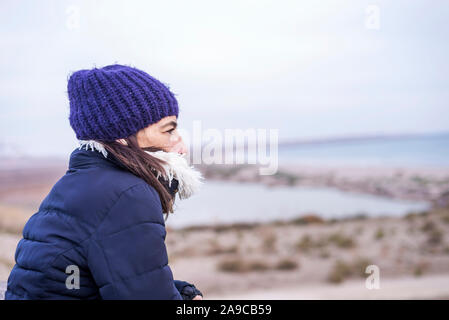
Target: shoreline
(247, 259)
(429, 184)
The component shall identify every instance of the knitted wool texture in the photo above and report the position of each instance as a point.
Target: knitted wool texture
(116, 101)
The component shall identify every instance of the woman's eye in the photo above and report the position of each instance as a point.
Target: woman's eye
(170, 131)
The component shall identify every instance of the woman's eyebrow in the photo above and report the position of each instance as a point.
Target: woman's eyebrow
(171, 123)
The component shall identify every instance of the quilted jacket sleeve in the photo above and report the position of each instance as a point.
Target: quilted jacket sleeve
(187, 290)
(127, 255)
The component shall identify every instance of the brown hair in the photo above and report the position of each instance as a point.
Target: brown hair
(143, 165)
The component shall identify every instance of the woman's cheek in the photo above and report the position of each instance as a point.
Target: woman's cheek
(174, 139)
(167, 143)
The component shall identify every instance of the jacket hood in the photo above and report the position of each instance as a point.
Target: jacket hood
(178, 176)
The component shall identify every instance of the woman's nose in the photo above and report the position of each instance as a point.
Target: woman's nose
(179, 147)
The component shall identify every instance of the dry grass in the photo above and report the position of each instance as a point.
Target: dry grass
(428, 226)
(339, 272)
(217, 249)
(286, 264)
(13, 219)
(240, 265)
(342, 269)
(420, 268)
(379, 234)
(341, 241)
(257, 265)
(237, 264)
(6, 262)
(269, 242)
(308, 219)
(306, 243)
(435, 237)
(445, 218)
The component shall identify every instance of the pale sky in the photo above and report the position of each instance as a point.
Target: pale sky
(310, 69)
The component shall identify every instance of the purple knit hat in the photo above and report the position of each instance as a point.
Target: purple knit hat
(116, 101)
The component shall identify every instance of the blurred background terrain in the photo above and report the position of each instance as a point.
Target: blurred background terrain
(357, 91)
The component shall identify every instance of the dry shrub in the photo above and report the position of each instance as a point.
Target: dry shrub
(232, 265)
(308, 219)
(239, 265)
(341, 241)
(435, 237)
(342, 270)
(269, 242)
(306, 243)
(420, 267)
(379, 234)
(286, 264)
(428, 226)
(13, 219)
(217, 249)
(339, 272)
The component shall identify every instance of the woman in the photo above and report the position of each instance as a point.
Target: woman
(100, 232)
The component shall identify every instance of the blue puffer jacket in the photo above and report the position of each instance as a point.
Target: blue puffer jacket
(103, 221)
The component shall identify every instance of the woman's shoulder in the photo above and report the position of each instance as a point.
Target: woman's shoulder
(101, 178)
(90, 194)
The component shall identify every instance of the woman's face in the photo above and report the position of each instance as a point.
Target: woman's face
(163, 135)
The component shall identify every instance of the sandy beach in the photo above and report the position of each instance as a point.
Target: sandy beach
(426, 287)
(303, 258)
(260, 260)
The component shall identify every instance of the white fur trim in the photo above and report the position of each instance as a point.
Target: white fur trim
(95, 145)
(189, 179)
